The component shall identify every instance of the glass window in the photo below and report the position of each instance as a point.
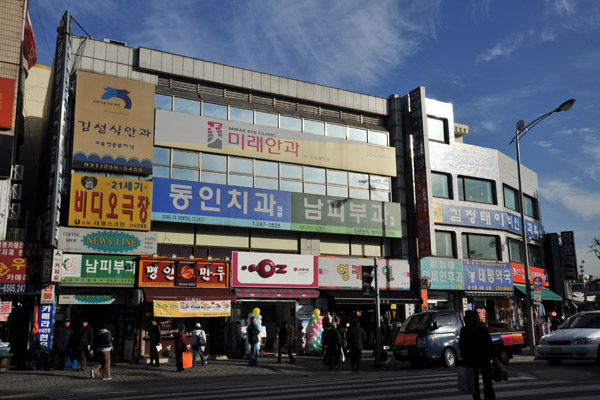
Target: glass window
(359, 193)
(511, 198)
(291, 171)
(162, 156)
(380, 196)
(336, 131)
(515, 251)
(312, 174)
(266, 183)
(187, 106)
(478, 190)
(290, 123)
(436, 130)
(315, 127)
(530, 206)
(380, 138)
(241, 180)
(340, 191)
(241, 114)
(291, 186)
(483, 247)
(535, 255)
(185, 174)
(163, 102)
(185, 158)
(266, 168)
(359, 180)
(314, 188)
(440, 185)
(242, 165)
(360, 135)
(444, 244)
(337, 177)
(380, 182)
(213, 162)
(267, 119)
(214, 177)
(160, 172)
(214, 110)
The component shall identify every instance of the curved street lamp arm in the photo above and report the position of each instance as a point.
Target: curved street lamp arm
(521, 132)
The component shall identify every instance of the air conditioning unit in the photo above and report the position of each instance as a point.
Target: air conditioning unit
(18, 172)
(16, 191)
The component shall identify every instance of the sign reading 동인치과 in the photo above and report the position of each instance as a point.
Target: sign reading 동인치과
(114, 203)
(114, 124)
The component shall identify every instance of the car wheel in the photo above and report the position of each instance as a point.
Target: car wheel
(504, 356)
(554, 361)
(449, 358)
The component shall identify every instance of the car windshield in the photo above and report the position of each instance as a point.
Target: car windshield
(416, 322)
(583, 321)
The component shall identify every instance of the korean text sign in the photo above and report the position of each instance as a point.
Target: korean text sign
(274, 270)
(518, 272)
(154, 272)
(192, 308)
(102, 202)
(445, 274)
(346, 273)
(488, 276)
(93, 269)
(114, 124)
(194, 132)
(45, 325)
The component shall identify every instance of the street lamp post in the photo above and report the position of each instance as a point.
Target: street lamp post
(521, 131)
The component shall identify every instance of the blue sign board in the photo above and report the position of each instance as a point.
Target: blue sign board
(445, 274)
(45, 326)
(488, 276)
(485, 218)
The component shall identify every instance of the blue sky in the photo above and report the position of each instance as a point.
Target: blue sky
(496, 61)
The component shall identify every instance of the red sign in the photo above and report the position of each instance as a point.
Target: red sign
(186, 273)
(13, 269)
(518, 272)
(7, 97)
(29, 49)
(157, 273)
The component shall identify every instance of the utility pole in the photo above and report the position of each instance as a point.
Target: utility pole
(378, 361)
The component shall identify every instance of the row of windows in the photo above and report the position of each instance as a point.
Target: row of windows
(197, 107)
(480, 191)
(246, 172)
(485, 247)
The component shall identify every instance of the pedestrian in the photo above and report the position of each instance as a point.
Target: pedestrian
(356, 339)
(179, 347)
(104, 349)
(154, 334)
(198, 344)
(252, 334)
(86, 339)
(332, 343)
(477, 351)
(284, 342)
(62, 344)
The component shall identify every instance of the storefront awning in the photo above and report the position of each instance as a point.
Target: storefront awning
(386, 297)
(181, 294)
(489, 294)
(276, 293)
(547, 294)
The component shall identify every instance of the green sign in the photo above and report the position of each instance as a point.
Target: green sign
(93, 269)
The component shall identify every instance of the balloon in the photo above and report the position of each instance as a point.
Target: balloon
(316, 312)
(256, 311)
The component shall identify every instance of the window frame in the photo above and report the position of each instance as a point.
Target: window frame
(452, 243)
(468, 250)
(448, 185)
(462, 194)
(444, 122)
(516, 194)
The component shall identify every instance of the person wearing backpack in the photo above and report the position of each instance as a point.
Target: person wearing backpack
(198, 344)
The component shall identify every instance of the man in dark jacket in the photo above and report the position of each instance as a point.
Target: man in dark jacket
(62, 344)
(86, 339)
(154, 334)
(332, 341)
(284, 342)
(104, 348)
(356, 338)
(477, 351)
(252, 333)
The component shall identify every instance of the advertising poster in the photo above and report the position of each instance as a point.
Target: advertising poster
(81, 240)
(192, 308)
(94, 269)
(274, 270)
(102, 202)
(114, 124)
(444, 274)
(346, 273)
(488, 276)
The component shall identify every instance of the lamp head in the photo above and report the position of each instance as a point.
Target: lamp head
(520, 125)
(566, 106)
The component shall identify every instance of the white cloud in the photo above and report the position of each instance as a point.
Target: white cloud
(590, 147)
(544, 144)
(577, 200)
(561, 7)
(506, 48)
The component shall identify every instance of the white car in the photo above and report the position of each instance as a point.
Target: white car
(578, 338)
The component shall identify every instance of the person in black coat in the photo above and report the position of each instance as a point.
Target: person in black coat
(356, 339)
(86, 339)
(284, 342)
(62, 344)
(477, 351)
(332, 341)
(253, 333)
(154, 334)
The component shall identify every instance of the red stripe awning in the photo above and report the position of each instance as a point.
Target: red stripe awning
(262, 293)
(172, 293)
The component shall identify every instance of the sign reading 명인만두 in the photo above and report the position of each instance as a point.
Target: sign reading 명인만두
(165, 273)
(80, 240)
(113, 125)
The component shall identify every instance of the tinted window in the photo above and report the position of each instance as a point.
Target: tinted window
(480, 246)
(163, 102)
(315, 127)
(290, 123)
(436, 129)
(187, 106)
(511, 199)
(241, 114)
(214, 110)
(416, 322)
(360, 135)
(443, 320)
(473, 189)
(336, 131)
(444, 244)
(440, 185)
(267, 119)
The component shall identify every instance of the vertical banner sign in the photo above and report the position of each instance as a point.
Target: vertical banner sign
(569, 256)
(45, 325)
(114, 124)
(57, 259)
(420, 138)
(7, 99)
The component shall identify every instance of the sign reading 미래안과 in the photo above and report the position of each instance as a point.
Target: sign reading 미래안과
(114, 124)
(103, 202)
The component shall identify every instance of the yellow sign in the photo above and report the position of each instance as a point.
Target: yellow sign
(192, 308)
(114, 124)
(101, 202)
